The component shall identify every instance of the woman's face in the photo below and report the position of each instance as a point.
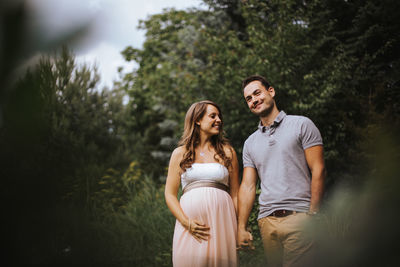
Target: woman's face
(210, 123)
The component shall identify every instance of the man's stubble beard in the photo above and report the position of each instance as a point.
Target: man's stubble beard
(267, 111)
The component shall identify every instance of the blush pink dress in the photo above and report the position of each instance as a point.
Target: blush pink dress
(214, 207)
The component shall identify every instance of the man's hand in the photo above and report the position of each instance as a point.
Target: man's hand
(245, 239)
(246, 196)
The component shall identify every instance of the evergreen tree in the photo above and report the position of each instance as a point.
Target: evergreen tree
(60, 134)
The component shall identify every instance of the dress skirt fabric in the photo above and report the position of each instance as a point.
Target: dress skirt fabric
(214, 207)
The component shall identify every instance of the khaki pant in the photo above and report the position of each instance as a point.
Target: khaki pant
(285, 242)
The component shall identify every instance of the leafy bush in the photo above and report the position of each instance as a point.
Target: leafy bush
(132, 212)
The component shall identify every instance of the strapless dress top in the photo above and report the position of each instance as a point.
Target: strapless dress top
(205, 172)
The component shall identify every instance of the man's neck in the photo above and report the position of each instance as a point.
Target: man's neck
(270, 118)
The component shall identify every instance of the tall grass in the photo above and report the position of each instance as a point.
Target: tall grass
(129, 224)
(143, 232)
(360, 224)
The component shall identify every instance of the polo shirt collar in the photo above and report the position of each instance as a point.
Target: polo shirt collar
(276, 122)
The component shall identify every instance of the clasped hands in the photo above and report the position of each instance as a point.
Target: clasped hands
(198, 230)
(244, 240)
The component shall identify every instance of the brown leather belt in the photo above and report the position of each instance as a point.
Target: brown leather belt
(282, 213)
(197, 184)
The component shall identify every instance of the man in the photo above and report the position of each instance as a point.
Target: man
(286, 153)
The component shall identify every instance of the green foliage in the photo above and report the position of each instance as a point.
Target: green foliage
(146, 226)
(348, 229)
(59, 135)
(137, 233)
(115, 190)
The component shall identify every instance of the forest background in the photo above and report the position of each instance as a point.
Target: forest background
(83, 172)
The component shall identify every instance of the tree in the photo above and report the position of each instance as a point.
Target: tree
(60, 134)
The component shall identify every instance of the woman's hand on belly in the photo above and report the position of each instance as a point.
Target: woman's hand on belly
(198, 230)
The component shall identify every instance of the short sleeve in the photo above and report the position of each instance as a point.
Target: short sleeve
(247, 161)
(310, 135)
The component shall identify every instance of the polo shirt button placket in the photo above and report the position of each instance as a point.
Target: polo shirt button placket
(272, 140)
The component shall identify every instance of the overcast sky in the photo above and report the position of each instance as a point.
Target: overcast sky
(114, 26)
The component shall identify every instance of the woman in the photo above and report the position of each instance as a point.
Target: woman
(207, 166)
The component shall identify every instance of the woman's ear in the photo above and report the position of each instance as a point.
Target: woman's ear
(198, 123)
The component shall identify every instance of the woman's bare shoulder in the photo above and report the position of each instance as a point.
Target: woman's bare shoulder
(178, 152)
(177, 156)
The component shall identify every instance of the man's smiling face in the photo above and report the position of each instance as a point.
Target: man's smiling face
(259, 99)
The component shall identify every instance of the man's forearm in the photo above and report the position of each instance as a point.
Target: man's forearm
(246, 198)
(317, 189)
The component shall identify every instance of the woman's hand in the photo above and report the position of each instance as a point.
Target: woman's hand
(245, 239)
(198, 230)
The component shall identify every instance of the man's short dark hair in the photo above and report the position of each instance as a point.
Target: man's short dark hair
(253, 78)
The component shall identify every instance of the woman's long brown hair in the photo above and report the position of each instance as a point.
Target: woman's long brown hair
(191, 135)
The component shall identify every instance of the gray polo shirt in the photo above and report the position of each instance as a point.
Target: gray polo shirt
(277, 152)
